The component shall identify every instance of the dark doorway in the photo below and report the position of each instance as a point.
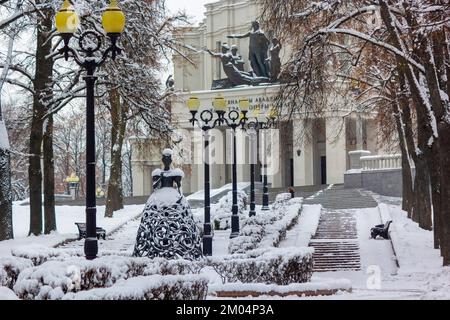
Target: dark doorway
(323, 170)
(292, 172)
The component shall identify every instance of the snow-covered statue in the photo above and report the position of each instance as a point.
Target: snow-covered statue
(167, 228)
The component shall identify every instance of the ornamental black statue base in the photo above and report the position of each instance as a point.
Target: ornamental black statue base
(167, 228)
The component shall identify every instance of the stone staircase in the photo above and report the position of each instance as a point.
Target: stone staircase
(336, 243)
(338, 198)
(336, 240)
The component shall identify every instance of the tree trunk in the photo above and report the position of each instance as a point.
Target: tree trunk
(6, 222)
(407, 129)
(407, 179)
(422, 195)
(424, 121)
(42, 79)
(444, 131)
(114, 199)
(49, 179)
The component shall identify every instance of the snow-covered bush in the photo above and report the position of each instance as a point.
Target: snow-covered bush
(221, 212)
(10, 268)
(156, 287)
(280, 266)
(173, 267)
(280, 200)
(53, 279)
(251, 233)
(39, 254)
(276, 232)
(267, 229)
(7, 294)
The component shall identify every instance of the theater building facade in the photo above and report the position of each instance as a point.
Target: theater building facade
(303, 151)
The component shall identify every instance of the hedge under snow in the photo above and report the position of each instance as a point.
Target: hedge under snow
(268, 229)
(156, 287)
(271, 265)
(54, 279)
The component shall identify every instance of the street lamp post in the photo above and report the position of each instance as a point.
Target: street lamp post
(236, 120)
(206, 123)
(90, 59)
(252, 131)
(265, 124)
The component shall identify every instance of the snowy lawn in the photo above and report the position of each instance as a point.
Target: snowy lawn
(420, 264)
(66, 217)
(199, 195)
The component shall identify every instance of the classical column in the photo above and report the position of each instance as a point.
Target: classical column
(303, 153)
(355, 156)
(336, 150)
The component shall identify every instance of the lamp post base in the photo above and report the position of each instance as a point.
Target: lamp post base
(234, 226)
(207, 245)
(91, 248)
(234, 235)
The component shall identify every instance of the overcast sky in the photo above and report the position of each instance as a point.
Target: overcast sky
(194, 8)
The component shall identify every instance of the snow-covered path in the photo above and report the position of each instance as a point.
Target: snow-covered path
(377, 262)
(300, 235)
(377, 275)
(122, 240)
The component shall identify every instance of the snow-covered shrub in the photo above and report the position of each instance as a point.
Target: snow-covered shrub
(173, 267)
(276, 232)
(39, 254)
(156, 287)
(280, 266)
(280, 200)
(268, 229)
(7, 294)
(221, 212)
(53, 279)
(10, 268)
(251, 233)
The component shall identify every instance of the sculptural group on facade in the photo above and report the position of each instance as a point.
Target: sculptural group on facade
(264, 57)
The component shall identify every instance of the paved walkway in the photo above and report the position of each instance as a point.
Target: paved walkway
(122, 240)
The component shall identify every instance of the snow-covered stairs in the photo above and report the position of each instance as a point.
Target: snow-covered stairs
(337, 197)
(336, 242)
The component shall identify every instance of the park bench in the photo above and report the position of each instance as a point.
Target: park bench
(381, 230)
(101, 233)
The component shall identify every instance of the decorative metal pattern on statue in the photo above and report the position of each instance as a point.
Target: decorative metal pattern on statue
(167, 228)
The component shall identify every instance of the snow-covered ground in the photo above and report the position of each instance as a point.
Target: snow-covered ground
(408, 267)
(420, 274)
(66, 217)
(199, 195)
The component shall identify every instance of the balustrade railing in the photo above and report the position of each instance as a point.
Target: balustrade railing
(393, 161)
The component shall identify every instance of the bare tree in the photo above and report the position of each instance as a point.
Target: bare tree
(414, 34)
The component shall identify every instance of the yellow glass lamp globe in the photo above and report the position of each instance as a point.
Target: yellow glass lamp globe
(193, 104)
(219, 104)
(113, 19)
(66, 19)
(244, 104)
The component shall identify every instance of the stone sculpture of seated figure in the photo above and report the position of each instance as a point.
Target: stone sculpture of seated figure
(167, 228)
